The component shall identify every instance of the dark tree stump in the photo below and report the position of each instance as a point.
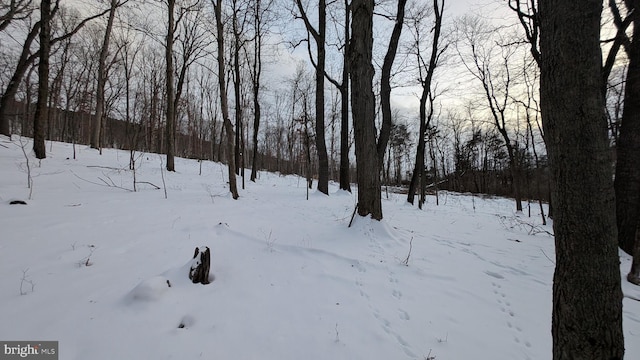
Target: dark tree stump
(199, 272)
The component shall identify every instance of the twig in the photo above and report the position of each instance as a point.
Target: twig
(105, 167)
(545, 254)
(25, 280)
(353, 215)
(29, 178)
(164, 185)
(631, 297)
(406, 261)
(146, 182)
(96, 183)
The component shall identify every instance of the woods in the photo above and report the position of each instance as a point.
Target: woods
(404, 96)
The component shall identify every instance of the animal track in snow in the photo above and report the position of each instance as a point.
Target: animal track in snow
(505, 307)
(397, 294)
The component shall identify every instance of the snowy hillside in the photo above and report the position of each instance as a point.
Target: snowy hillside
(104, 270)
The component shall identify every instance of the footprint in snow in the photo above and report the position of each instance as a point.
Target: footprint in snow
(505, 307)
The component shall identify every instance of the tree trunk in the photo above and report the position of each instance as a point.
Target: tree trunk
(319, 38)
(385, 81)
(418, 168)
(363, 110)
(42, 112)
(634, 275)
(200, 266)
(224, 101)
(238, 155)
(171, 110)
(257, 72)
(25, 60)
(627, 179)
(102, 79)
(587, 298)
(321, 143)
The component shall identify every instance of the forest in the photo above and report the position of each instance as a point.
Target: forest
(404, 96)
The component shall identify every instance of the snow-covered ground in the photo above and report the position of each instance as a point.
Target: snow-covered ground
(90, 265)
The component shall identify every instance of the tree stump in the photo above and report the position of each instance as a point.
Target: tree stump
(199, 272)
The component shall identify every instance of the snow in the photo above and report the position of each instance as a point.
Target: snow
(290, 280)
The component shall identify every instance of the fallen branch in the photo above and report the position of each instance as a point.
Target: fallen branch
(99, 184)
(353, 215)
(545, 255)
(146, 182)
(105, 167)
(406, 261)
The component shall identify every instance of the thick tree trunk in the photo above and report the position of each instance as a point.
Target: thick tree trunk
(634, 275)
(587, 298)
(41, 115)
(627, 180)
(363, 110)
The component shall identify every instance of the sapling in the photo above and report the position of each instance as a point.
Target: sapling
(29, 178)
(405, 262)
(25, 281)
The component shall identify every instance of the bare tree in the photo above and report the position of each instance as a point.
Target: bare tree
(228, 126)
(102, 75)
(27, 58)
(261, 21)
(587, 297)
(319, 36)
(12, 10)
(385, 80)
(40, 117)
(496, 79)
(343, 88)
(425, 73)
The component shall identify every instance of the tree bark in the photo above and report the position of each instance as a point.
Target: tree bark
(587, 298)
(345, 178)
(199, 271)
(170, 138)
(41, 115)
(363, 110)
(634, 275)
(257, 72)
